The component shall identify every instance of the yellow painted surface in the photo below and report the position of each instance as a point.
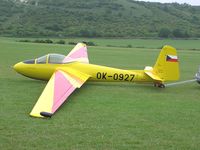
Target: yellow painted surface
(45, 102)
(77, 72)
(162, 71)
(167, 71)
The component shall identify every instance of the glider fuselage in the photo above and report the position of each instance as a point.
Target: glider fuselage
(67, 73)
(96, 72)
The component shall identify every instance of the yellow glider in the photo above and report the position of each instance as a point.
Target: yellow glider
(66, 73)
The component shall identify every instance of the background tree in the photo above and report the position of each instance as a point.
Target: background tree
(164, 33)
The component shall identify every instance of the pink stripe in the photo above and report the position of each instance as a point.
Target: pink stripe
(62, 89)
(82, 52)
(67, 59)
(57, 105)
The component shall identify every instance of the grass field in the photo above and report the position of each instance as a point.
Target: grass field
(102, 115)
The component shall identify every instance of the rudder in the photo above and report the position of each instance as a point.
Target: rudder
(167, 65)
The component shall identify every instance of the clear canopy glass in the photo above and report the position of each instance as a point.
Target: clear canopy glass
(56, 58)
(50, 58)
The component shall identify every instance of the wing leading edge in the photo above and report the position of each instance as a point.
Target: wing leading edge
(57, 90)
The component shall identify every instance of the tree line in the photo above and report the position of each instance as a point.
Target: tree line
(98, 18)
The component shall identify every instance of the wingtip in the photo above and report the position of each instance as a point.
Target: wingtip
(36, 115)
(41, 115)
(46, 114)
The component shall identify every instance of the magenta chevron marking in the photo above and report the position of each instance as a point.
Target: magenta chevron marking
(79, 53)
(62, 89)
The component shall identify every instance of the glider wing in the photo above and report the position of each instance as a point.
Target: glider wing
(58, 89)
(78, 53)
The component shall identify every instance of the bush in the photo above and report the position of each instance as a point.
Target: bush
(24, 40)
(44, 41)
(48, 41)
(72, 43)
(38, 41)
(129, 46)
(60, 42)
(87, 43)
(90, 43)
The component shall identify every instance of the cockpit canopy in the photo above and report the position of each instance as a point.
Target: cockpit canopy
(47, 59)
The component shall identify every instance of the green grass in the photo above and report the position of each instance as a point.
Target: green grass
(101, 115)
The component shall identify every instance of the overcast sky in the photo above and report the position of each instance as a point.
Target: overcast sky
(191, 2)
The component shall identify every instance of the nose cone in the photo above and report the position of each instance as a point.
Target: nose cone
(18, 67)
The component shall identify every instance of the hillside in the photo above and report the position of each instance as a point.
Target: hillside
(97, 18)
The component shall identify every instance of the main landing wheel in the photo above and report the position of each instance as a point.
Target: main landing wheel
(160, 85)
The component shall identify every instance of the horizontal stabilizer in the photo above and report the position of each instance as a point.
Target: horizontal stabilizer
(78, 53)
(153, 76)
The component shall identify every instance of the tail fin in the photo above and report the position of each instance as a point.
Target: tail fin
(167, 65)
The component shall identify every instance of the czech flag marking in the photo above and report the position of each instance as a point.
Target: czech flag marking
(172, 58)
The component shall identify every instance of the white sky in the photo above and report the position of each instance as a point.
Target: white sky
(191, 2)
